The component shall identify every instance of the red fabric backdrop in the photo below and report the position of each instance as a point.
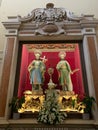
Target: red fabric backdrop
(72, 57)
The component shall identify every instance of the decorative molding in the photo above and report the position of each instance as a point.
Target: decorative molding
(12, 32)
(50, 21)
(51, 47)
(89, 31)
(32, 124)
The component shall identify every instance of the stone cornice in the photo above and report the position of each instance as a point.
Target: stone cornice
(11, 25)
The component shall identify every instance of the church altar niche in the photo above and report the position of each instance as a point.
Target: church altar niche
(51, 31)
(52, 56)
(50, 53)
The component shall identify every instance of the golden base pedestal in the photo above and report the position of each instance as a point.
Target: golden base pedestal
(33, 101)
(69, 102)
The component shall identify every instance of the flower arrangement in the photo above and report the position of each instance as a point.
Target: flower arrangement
(50, 112)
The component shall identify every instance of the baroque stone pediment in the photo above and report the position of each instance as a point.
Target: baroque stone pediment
(50, 14)
(50, 21)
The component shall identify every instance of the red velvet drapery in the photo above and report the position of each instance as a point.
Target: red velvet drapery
(73, 57)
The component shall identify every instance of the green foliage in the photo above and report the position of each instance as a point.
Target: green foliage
(88, 102)
(16, 103)
(50, 112)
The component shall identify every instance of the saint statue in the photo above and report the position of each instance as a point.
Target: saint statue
(65, 72)
(37, 69)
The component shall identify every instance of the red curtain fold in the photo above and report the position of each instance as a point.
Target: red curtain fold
(23, 71)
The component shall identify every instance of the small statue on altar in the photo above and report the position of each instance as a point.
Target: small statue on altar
(37, 69)
(64, 72)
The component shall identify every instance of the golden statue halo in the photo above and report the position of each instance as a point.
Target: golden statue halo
(62, 53)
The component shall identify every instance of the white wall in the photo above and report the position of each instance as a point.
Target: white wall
(23, 7)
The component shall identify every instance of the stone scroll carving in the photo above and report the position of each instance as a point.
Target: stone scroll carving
(50, 20)
(50, 14)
